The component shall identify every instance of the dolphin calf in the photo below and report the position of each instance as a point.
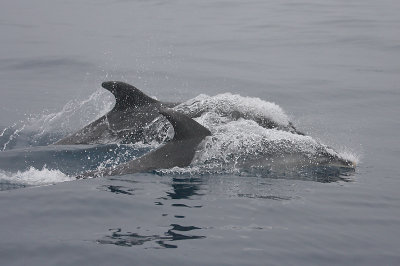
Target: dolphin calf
(188, 134)
(133, 110)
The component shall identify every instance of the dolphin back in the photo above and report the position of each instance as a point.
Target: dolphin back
(126, 95)
(184, 126)
(133, 110)
(179, 152)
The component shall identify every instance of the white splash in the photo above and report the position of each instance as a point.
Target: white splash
(240, 137)
(35, 177)
(45, 129)
(349, 155)
(237, 145)
(227, 104)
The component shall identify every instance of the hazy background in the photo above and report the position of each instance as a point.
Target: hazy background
(286, 51)
(333, 66)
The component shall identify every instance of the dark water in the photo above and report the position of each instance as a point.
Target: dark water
(332, 66)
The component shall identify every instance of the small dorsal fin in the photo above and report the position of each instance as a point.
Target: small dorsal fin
(184, 126)
(127, 95)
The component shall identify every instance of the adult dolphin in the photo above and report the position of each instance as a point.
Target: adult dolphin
(188, 134)
(133, 110)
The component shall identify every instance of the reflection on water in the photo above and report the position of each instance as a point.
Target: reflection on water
(7, 185)
(129, 239)
(184, 188)
(184, 205)
(187, 192)
(326, 174)
(118, 189)
(254, 196)
(175, 189)
(177, 200)
(320, 173)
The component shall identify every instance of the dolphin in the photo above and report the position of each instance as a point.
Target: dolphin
(133, 110)
(188, 134)
(178, 152)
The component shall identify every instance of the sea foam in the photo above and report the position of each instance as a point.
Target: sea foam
(35, 177)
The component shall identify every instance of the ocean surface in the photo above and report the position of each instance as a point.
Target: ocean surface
(332, 68)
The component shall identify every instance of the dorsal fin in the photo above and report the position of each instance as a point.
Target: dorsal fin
(184, 126)
(127, 95)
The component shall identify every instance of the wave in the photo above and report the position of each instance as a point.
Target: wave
(44, 129)
(32, 177)
(243, 147)
(228, 107)
(250, 136)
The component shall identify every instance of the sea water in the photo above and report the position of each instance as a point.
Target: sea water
(331, 68)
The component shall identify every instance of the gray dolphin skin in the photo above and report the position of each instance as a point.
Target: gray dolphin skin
(133, 110)
(188, 134)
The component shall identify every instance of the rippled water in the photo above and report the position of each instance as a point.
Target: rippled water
(331, 67)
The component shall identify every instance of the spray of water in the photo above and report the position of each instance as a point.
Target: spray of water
(34, 177)
(249, 136)
(44, 129)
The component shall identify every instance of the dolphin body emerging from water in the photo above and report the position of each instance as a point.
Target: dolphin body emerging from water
(132, 112)
(178, 152)
(188, 134)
